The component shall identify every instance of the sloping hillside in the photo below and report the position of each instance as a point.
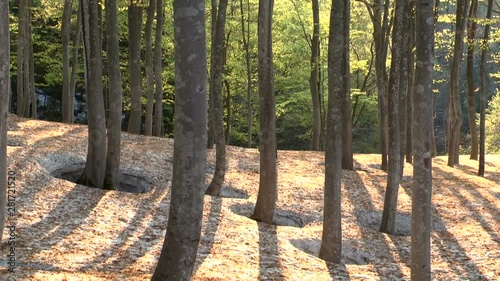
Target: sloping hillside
(71, 232)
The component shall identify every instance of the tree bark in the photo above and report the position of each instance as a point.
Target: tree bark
(158, 112)
(4, 105)
(267, 196)
(422, 125)
(216, 93)
(22, 95)
(331, 240)
(388, 224)
(410, 86)
(455, 116)
(471, 97)
(314, 77)
(115, 97)
(246, 38)
(150, 83)
(211, 102)
(179, 249)
(95, 167)
(347, 156)
(66, 111)
(482, 100)
(74, 59)
(134, 41)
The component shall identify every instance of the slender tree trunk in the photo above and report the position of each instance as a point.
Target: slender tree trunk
(388, 224)
(422, 125)
(246, 39)
(31, 74)
(115, 97)
(158, 112)
(211, 99)
(331, 240)
(268, 193)
(482, 100)
(216, 93)
(150, 83)
(314, 77)
(347, 157)
(4, 105)
(403, 82)
(134, 41)
(22, 96)
(95, 167)
(410, 86)
(179, 249)
(66, 111)
(74, 60)
(455, 116)
(227, 86)
(471, 97)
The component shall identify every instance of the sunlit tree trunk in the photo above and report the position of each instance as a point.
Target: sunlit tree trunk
(115, 96)
(388, 224)
(216, 94)
(422, 161)
(331, 239)
(482, 101)
(134, 64)
(267, 196)
(314, 77)
(179, 249)
(471, 89)
(455, 116)
(246, 38)
(4, 105)
(158, 69)
(150, 83)
(95, 167)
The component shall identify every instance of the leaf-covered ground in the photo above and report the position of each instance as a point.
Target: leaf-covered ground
(70, 232)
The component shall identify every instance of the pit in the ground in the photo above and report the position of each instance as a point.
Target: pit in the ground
(126, 182)
(281, 217)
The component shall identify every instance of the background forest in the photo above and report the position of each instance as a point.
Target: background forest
(292, 36)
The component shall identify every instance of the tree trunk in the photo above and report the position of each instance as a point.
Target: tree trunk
(74, 59)
(216, 93)
(471, 97)
(66, 111)
(403, 82)
(115, 97)
(410, 87)
(179, 249)
(150, 83)
(422, 125)
(331, 240)
(388, 224)
(268, 193)
(228, 110)
(31, 74)
(95, 167)
(246, 38)
(22, 95)
(482, 100)
(455, 116)
(211, 99)
(347, 157)
(4, 105)
(158, 112)
(313, 79)
(134, 41)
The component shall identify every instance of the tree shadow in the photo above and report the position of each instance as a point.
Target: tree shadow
(270, 267)
(492, 176)
(209, 231)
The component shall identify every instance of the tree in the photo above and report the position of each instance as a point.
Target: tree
(471, 97)
(216, 93)
(410, 86)
(388, 224)
(74, 59)
(211, 102)
(158, 111)
(115, 97)
(4, 105)
(455, 116)
(347, 156)
(188, 180)
(422, 153)
(314, 78)
(150, 84)
(245, 35)
(267, 196)
(134, 42)
(95, 167)
(482, 101)
(23, 60)
(331, 240)
(66, 110)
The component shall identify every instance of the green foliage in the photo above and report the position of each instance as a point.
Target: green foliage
(493, 125)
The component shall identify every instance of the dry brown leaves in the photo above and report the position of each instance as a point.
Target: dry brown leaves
(71, 232)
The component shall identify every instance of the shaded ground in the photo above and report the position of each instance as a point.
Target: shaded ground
(70, 232)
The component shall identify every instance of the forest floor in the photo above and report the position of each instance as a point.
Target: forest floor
(65, 231)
